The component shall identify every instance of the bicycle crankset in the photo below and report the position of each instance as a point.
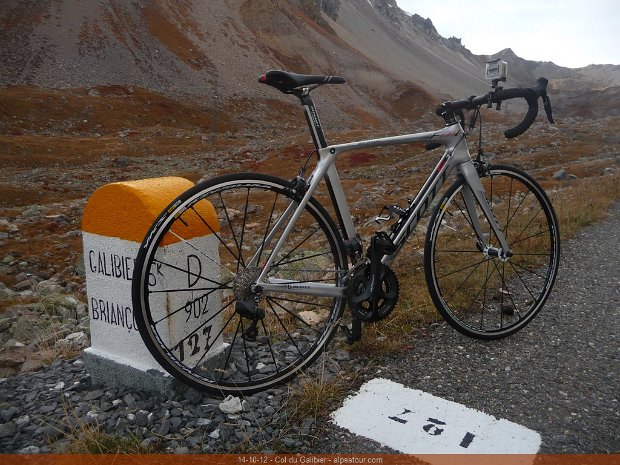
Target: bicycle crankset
(360, 296)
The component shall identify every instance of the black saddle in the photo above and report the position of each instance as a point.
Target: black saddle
(287, 82)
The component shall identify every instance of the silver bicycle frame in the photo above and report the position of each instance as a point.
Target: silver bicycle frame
(456, 156)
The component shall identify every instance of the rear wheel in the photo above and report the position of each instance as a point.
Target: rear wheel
(478, 294)
(196, 307)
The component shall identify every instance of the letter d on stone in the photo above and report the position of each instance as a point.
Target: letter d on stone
(194, 268)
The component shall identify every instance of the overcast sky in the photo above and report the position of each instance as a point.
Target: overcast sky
(572, 33)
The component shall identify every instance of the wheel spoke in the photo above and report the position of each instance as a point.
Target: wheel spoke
(297, 317)
(267, 228)
(284, 327)
(283, 259)
(199, 361)
(466, 279)
(241, 262)
(188, 272)
(463, 269)
(230, 227)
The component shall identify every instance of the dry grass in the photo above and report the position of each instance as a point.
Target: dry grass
(86, 438)
(90, 440)
(584, 201)
(318, 393)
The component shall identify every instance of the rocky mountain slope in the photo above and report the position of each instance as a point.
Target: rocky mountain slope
(396, 65)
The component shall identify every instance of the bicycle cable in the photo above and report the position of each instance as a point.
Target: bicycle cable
(479, 115)
(302, 171)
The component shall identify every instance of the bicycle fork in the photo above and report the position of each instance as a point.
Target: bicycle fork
(474, 193)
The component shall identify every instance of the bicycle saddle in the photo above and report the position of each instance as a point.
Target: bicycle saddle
(286, 82)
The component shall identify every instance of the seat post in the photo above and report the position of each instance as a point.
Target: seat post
(312, 118)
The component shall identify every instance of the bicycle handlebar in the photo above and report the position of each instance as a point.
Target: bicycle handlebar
(530, 94)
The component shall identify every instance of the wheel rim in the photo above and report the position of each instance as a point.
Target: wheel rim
(202, 336)
(484, 295)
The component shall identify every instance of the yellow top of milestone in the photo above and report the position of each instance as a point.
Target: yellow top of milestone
(128, 209)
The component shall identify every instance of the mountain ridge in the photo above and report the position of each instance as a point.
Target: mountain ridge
(215, 52)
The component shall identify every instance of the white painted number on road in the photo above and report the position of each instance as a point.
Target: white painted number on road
(414, 422)
(432, 428)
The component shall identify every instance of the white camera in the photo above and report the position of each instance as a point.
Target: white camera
(496, 70)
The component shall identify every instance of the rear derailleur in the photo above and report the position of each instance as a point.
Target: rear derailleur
(372, 289)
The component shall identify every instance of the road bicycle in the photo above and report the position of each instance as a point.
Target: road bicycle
(243, 280)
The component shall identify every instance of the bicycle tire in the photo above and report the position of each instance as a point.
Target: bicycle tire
(482, 296)
(194, 261)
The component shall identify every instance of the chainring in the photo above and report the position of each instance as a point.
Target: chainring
(359, 298)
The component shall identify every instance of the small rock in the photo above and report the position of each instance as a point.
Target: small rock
(559, 175)
(311, 318)
(289, 442)
(130, 401)
(8, 430)
(175, 423)
(73, 341)
(164, 428)
(231, 405)
(22, 421)
(29, 450)
(45, 409)
(204, 410)
(9, 413)
(25, 285)
(48, 287)
(94, 395)
(202, 422)
(193, 396)
(5, 324)
(142, 418)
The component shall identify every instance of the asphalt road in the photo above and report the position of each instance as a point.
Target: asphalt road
(559, 376)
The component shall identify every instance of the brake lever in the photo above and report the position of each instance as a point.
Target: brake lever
(547, 104)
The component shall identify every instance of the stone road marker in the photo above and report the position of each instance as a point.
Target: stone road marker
(116, 219)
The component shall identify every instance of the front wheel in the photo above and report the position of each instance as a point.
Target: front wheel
(480, 295)
(196, 303)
